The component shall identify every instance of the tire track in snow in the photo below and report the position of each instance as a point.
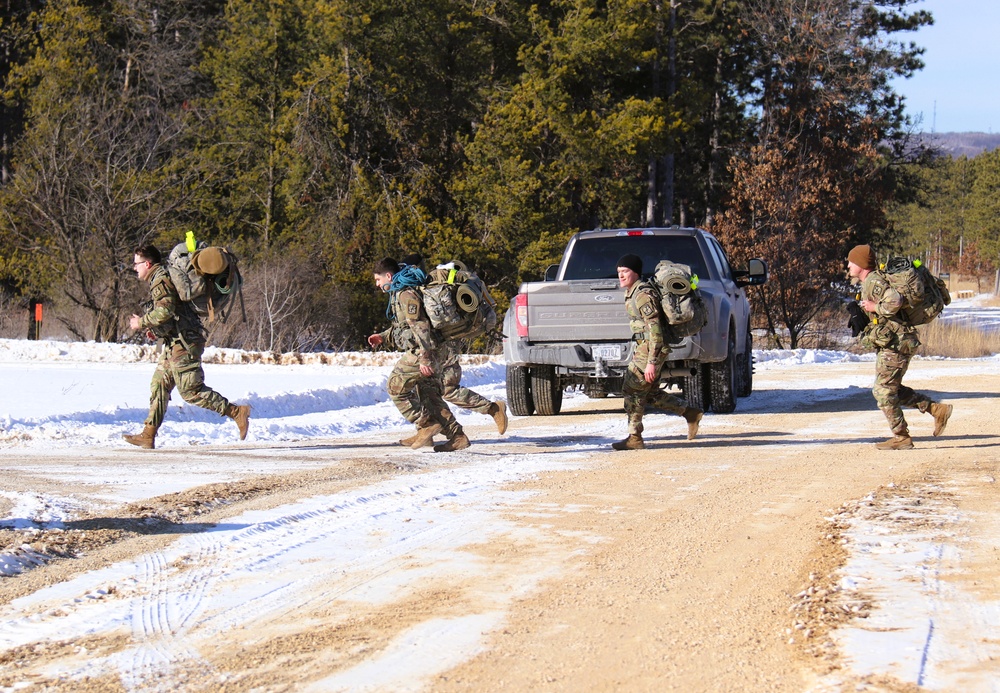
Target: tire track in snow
(269, 565)
(160, 616)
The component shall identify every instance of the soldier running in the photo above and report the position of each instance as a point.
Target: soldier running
(452, 389)
(642, 379)
(421, 363)
(894, 343)
(179, 327)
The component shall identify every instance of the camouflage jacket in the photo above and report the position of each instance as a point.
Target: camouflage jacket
(411, 328)
(886, 329)
(169, 318)
(645, 316)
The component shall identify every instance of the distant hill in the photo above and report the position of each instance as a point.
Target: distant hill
(956, 144)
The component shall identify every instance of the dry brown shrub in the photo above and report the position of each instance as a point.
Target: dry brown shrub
(286, 308)
(828, 330)
(13, 318)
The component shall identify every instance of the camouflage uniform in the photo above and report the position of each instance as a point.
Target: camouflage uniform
(411, 333)
(644, 313)
(451, 382)
(894, 343)
(183, 337)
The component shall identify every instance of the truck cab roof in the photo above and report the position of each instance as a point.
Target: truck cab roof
(594, 254)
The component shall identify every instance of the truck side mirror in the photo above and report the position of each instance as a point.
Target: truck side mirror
(550, 273)
(754, 275)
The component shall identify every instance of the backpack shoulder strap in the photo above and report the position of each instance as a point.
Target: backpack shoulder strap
(646, 299)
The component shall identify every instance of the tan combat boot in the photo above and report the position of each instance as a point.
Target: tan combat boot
(941, 414)
(240, 413)
(459, 442)
(424, 436)
(498, 410)
(693, 417)
(901, 442)
(633, 442)
(407, 442)
(146, 439)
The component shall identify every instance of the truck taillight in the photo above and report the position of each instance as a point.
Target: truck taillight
(521, 314)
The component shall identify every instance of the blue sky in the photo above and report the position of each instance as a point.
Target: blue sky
(959, 89)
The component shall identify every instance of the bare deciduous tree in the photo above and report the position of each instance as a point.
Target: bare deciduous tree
(819, 176)
(285, 309)
(94, 177)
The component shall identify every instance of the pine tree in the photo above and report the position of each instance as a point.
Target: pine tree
(613, 122)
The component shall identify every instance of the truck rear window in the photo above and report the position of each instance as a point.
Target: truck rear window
(597, 258)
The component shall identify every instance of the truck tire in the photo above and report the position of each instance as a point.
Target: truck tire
(545, 390)
(722, 379)
(519, 391)
(693, 387)
(744, 369)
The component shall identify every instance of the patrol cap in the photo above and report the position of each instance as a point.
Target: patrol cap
(209, 261)
(863, 257)
(633, 262)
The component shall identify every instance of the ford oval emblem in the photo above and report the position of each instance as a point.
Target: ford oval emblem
(604, 298)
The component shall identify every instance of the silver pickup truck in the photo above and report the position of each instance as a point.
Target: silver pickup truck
(571, 330)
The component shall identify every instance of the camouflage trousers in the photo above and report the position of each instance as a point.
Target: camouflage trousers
(890, 393)
(419, 398)
(639, 394)
(451, 383)
(181, 367)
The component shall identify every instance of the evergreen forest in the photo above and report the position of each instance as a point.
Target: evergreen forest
(314, 137)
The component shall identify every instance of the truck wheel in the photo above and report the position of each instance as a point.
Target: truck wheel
(693, 387)
(744, 369)
(519, 392)
(545, 390)
(722, 379)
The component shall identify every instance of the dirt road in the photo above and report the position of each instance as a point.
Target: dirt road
(705, 565)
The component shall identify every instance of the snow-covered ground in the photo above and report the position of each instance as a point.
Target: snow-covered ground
(84, 396)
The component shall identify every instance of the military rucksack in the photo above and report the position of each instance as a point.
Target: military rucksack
(206, 277)
(925, 295)
(683, 306)
(458, 303)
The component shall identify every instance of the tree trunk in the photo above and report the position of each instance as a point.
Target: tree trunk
(715, 155)
(653, 212)
(668, 161)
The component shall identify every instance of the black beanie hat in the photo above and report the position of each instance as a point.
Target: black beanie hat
(633, 262)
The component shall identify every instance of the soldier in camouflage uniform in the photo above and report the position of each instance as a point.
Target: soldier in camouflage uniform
(642, 380)
(183, 337)
(452, 389)
(421, 364)
(461, 396)
(894, 343)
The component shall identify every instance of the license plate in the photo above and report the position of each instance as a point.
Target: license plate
(607, 353)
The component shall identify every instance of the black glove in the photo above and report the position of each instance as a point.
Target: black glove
(859, 318)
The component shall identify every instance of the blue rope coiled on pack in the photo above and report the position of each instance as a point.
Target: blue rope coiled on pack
(407, 277)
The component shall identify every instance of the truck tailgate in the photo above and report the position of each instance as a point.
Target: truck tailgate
(587, 311)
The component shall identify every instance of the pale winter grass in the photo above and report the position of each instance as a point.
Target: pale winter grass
(943, 338)
(939, 338)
